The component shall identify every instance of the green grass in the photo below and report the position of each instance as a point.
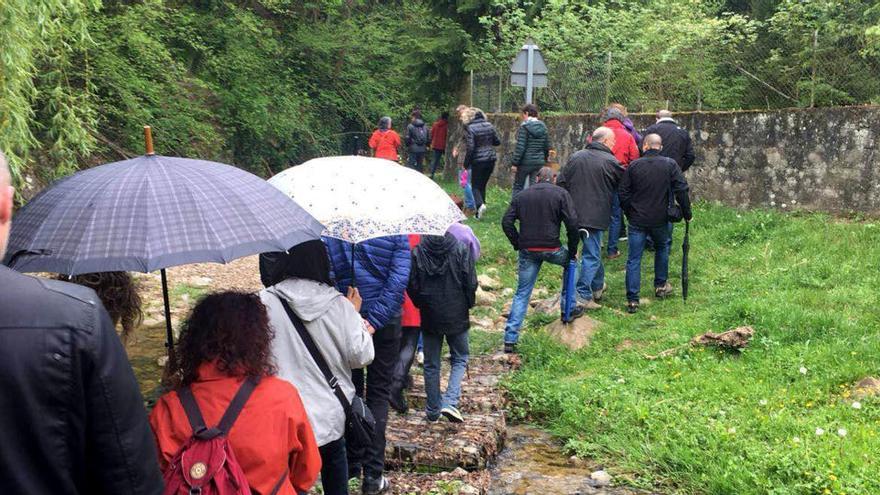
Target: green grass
(710, 422)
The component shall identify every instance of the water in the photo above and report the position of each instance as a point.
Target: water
(533, 463)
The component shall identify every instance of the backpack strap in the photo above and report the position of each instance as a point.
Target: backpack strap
(197, 421)
(317, 356)
(280, 483)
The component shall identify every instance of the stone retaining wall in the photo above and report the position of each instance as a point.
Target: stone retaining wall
(814, 159)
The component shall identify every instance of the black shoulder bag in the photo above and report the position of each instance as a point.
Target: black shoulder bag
(673, 210)
(359, 421)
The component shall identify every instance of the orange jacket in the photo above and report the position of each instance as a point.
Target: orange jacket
(385, 144)
(271, 434)
(625, 147)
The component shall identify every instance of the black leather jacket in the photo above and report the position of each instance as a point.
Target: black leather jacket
(481, 139)
(72, 419)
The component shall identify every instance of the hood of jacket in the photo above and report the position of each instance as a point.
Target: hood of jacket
(614, 124)
(433, 253)
(309, 299)
(418, 123)
(535, 128)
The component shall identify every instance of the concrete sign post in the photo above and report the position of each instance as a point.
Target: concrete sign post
(529, 69)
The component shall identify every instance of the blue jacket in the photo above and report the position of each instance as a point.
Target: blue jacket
(382, 269)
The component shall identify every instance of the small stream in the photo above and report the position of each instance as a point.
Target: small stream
(533, 463)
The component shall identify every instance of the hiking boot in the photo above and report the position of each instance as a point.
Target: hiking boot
(597, 294)
(432, 420)
(591, 305)
(452, 414)
(664, 291)
(632, 307)
(614, 255)
(375, 486)
(509, 348)
(576, 313)
(398, 401)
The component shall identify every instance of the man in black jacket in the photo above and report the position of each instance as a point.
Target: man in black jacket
(443, 285)
(677, 142)
(481, 138)
(646, 192)
(71, 413)
(540, 210)
(591, 177)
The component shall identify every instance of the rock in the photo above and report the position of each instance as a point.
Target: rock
(200, 281)
(575, 335)
(573, 460)
(482, 323)
(507, 292)
(867, 387)
(736, 339)
(549, 305)
(492, 270)
(469, 489)
(151, 322)
(600, 478)
(459, 472)
(540, 292)
(485, 298)
(162, 361)
(488, 283)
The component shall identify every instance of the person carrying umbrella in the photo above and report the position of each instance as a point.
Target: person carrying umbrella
(60, 364)
(647, 191)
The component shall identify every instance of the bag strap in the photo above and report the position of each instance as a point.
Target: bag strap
(280, 483)
(317, 356)
(197, 421)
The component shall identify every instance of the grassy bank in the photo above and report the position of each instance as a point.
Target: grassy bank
(779, 418)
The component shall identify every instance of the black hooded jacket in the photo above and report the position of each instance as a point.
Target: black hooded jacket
(481, 139)
(417, 137)
(443, 284)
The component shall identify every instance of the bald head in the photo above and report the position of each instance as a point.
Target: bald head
(652, 142)
(605, 136)
(664, 114)
(6, 194)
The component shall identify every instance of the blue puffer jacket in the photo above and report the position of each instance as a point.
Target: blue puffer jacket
(382, 268)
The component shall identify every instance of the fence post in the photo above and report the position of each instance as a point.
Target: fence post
(813, 76)
(607, 78)
(471, 96)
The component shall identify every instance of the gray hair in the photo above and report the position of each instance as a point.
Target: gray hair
(385, 123)
(601, 134)
(664, 114)
(652, 142)
(546, 174)
(613, 113)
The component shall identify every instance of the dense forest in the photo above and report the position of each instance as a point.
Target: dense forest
(266, 84)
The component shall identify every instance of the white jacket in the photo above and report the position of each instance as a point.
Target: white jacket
(338, 331)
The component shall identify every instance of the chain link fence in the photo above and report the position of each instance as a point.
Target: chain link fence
(810, 68)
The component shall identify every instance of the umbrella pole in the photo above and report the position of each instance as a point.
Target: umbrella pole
(169, 333)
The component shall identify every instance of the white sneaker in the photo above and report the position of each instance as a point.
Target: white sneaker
(481, 211)
(420, 358)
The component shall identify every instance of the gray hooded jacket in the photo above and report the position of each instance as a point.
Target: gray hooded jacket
(338, 331)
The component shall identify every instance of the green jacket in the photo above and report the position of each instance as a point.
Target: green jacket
(532, 145)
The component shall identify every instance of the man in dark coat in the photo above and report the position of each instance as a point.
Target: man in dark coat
(591, 177)
(71, 412)
(646, 192)
(677, 142)
(540, 210)
(416, 139)
(443, 285)
(532, 149)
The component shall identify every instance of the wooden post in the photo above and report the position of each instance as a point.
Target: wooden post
(148, 140)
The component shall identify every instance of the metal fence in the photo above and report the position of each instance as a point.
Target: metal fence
(812, 70)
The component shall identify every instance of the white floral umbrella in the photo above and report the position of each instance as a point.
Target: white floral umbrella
(359, 198)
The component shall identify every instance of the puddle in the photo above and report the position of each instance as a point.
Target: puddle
(533, 463)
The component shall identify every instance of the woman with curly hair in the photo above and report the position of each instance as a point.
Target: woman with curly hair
(118, 292)
(225, 341)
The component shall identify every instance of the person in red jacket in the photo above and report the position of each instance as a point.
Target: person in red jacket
(385, 141)
(625, 150)
(438, 140)
(225, 340)
(411, 322)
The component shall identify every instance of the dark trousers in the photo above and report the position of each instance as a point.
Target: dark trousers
(334, 468)
(408, 343)
(480, 174)
(523, 175)
(379, 376)
(414, 160)
(438, 154)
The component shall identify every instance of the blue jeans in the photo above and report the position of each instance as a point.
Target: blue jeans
(469, 201)
(616, 225)
(637, 238)
(529, 265)
(334, 467)
(592, 272)
(458, 348)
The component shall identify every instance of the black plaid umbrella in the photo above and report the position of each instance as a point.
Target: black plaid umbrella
(152, 212)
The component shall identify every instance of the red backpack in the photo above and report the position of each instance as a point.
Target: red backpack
(206, 464)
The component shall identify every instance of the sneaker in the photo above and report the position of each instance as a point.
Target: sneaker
(576, 313)
(420, 358)
(452, 414)
(614, 256)
(431, 420)
(509, 348)
(375, 486)
(591, 305)
(597, 294)
(622, 238)
(481, 211)
(632, 307)
(398, 401)
(663, 291)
